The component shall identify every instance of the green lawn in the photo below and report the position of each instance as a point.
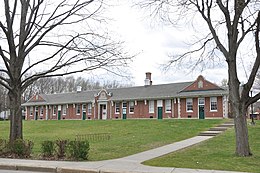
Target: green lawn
(216, 153)
(127, 136)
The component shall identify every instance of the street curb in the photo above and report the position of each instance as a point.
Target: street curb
(8, 167)
(36, 168)
(72, 170)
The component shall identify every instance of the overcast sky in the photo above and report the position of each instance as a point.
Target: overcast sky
(154, 43)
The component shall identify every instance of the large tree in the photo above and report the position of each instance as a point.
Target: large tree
(46, 38)
(231, 28)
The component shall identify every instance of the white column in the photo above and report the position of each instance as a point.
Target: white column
(179, 108)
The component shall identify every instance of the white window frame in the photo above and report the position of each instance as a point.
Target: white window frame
(31, 110)
(89, 108)
(64, 109)
(151, 106)
(54, 109)
(84, 107)
(78, 109)
(213, 104)
(41, 111)
(131, 107)
(168, 106)
(117, 108)
(189, 104)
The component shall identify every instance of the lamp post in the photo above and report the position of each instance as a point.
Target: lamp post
(252, 110)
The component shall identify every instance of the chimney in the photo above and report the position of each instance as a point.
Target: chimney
(148, 79)
(78, 89)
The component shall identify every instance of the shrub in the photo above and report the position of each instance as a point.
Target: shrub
(21, 148)
(61, 148)
(48, 148)
(78, 150)
(3, 147)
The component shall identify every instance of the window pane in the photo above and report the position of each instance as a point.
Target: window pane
(64, 109)
(151, 106)
(213, 104)
(54, 110)
(189, 105)
(168, 106)
(131, 107)
(117, 108)
(89, 108)
(78, 108)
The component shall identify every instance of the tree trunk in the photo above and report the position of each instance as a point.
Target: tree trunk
(242, 144)
(239, 112)
(15, 115)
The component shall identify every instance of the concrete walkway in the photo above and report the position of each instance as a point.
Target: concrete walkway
(129, 164)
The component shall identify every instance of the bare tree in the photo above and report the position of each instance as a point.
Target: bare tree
(232, 27)
(50, 38)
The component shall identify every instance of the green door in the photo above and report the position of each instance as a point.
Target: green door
(59, 115)
(124, 108)
(201, 112)
(124, 113)
(84, 116)
(160, 113)
(36, 116)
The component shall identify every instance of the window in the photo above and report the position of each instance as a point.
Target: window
(64, 109)
(213, 104)
(78, 109)
(117, 108)
(89, 108)
(41, 111)
(31, 111)
(151, 106)
(168, 106)
(131, 107)
(124, 106)
(189, 105)
(36, 108)
(54, 110)
(84, 108)
(201, 101)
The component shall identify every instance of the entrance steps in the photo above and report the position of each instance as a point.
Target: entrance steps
(214, 131)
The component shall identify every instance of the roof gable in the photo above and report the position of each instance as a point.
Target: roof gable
(103, 95)
(37, 98)
(201, 84)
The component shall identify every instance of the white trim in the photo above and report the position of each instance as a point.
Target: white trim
(151, 106)
(169, 101)
(199, 104)
(190, 100)
(179, 107)
(212, 100)
(159, 103)
(116, 107)
(130, 107)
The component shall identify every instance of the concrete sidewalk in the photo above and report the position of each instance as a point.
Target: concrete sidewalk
(129, 164)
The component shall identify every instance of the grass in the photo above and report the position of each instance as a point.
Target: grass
(127, 136)
(216, 153)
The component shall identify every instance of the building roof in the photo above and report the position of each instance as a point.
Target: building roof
(150, 92)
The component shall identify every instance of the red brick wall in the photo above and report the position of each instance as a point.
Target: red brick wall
(208, 113)
(214, 114)
(141, 110)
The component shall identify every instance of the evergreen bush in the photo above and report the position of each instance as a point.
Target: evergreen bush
(78, 150)
(48, 148)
